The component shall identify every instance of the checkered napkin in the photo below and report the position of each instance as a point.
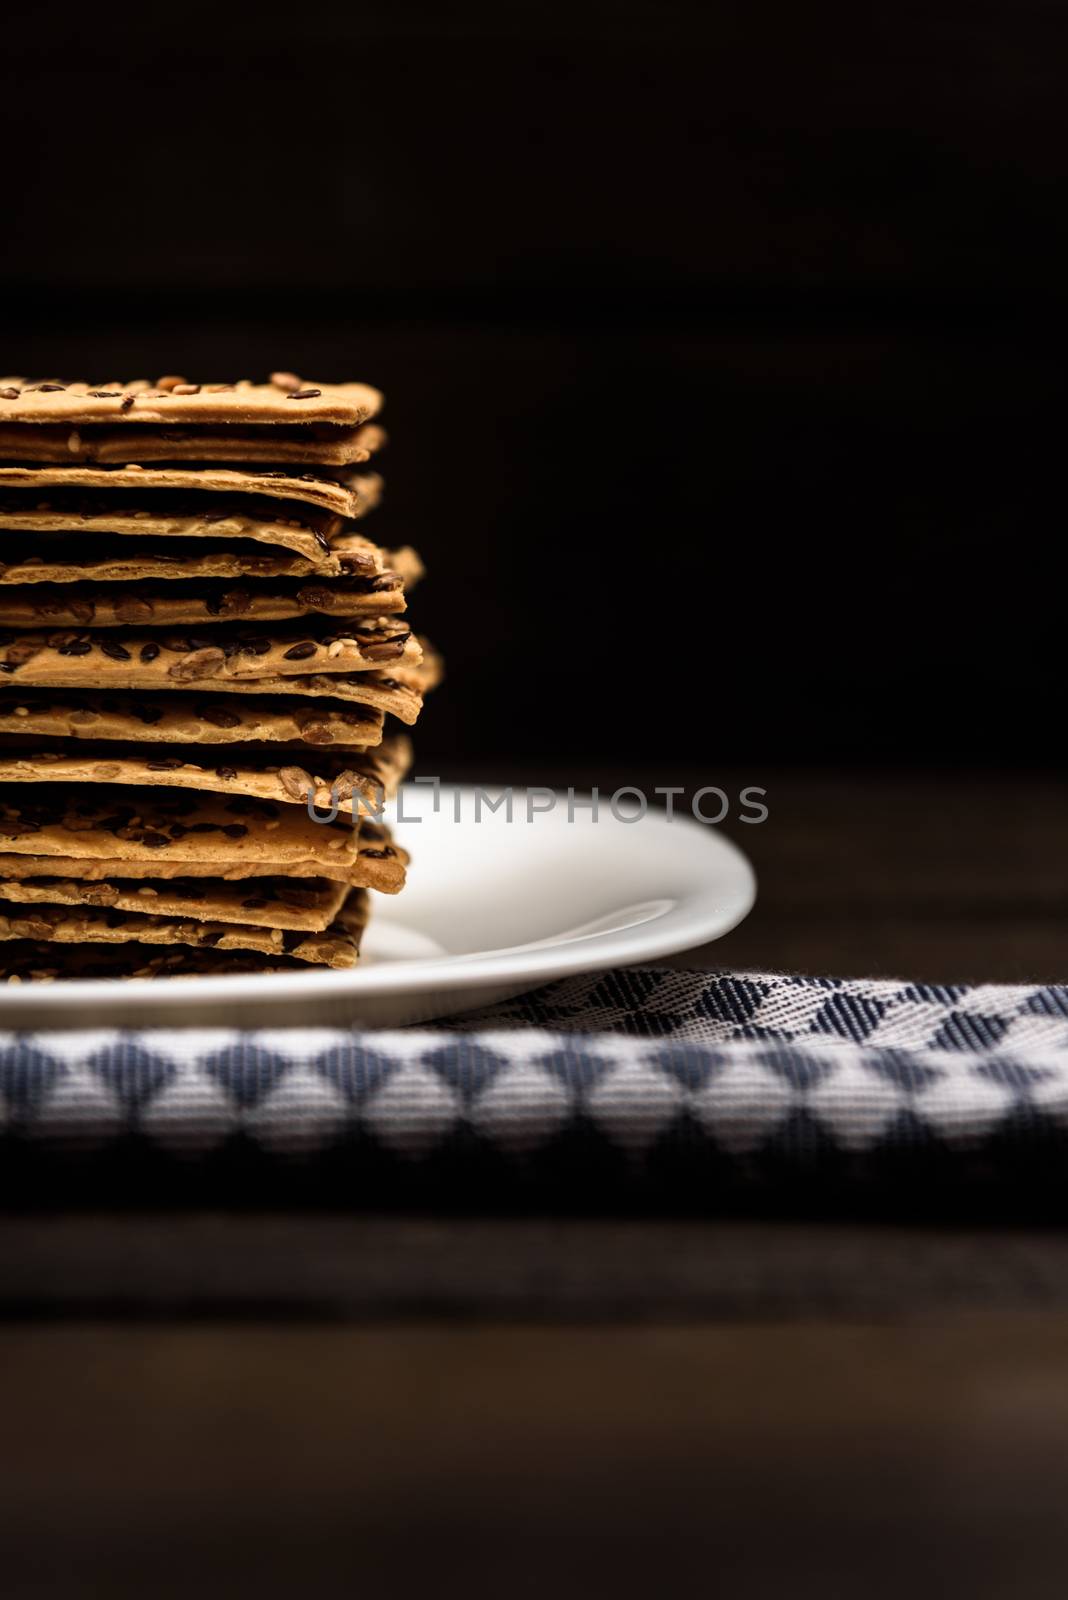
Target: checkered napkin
(648, 1076)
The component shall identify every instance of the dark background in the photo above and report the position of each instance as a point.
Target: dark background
(723, 344)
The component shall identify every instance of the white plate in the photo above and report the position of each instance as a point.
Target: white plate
(492, 908)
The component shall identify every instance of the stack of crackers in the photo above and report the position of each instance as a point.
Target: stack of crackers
(198, 653)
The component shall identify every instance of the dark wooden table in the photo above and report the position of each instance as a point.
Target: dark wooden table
(308, 1404)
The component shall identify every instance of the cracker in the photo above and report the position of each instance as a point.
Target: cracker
(379, 864)
(51, 557)
(349, 494)
(76, 657)
(355, 783)
(118, 605)
(399, 691)
(310, 904)
(111, 444)
(165, 825)
(304, 530)
(292, 402)
(403, 562)
(205, 719)
(36, 961)
(336, 946)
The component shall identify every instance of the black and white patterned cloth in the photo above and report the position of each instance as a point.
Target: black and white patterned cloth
(692, 1080)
